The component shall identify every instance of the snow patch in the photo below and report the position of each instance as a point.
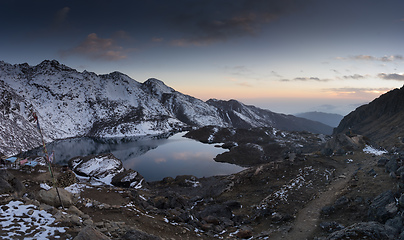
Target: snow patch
(370, 150)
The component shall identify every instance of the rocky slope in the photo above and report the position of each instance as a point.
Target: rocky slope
(71, 103)
(382, 120)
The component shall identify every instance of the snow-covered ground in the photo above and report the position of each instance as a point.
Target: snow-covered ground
(21, 221)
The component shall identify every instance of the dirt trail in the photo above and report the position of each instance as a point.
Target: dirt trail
(307, 219)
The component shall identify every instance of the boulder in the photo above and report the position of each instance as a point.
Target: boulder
(101, 167)
(66, 179)
(128, 179)
(51, 197)
(89, 233)
(383, 207)
(362, 230)
(217, 210)
(396, 224)
(9, 183)
(331, 226)
(391, 166)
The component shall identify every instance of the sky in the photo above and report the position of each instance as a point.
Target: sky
(288, 56)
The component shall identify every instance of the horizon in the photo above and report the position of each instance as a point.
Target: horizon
(285, 56)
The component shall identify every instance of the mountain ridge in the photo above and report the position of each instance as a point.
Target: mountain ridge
(70, 103)
(330, 119)
(381, 120)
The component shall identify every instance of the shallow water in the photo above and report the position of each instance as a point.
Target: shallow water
(154, 157)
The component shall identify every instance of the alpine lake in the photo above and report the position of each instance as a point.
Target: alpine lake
(153, 156)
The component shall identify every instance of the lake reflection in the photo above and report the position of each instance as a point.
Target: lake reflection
(154, 157)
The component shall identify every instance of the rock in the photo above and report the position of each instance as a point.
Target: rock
(74, 210)
(102, 167)
(232, 204)
(382, 162)
(5, 186)
(89, 233)
(340, 202)
(401, 200)
(88, 222)
(396, 224)
(331, 226)
(186, 181)
(128, 179)
(391, 166)
(362, 230)
(160, 202)
(400, 171)
(372, 172)
(9, 183)
(75, 220)
(327, 210)
(139, 235)
(217, 210)
(66, 179)
(50, 197)
(211, 219)
(244, 233)
(380, 210)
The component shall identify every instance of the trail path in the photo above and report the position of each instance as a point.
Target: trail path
(307, 219)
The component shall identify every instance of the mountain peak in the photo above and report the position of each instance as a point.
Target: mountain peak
(53, 65)
(156, 87)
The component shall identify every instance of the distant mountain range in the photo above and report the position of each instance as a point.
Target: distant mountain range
(381, 121)
(71, 104)
(330, 119)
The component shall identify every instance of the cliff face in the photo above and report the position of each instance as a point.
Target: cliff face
(382, 120)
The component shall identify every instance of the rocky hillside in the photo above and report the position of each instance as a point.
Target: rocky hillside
(71, 103)
(382, 120)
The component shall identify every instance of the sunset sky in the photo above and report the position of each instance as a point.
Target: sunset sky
(287, 56)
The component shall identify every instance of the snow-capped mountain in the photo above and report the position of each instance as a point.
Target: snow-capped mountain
(71, 103)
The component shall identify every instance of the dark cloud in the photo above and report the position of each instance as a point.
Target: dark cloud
(98, 48)
(203, 22)
(391, 76)
(61, 17)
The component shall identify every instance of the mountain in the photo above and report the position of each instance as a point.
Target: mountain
(239, 115)
(330, 119)
(381, 121)
(71, 103)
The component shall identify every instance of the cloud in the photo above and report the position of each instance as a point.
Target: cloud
(304, 79)
(358, 92)
(157, 39)
(204, 22)
(385, 58)
(391, 76)
(98, 48)
(61, 16)
(240, 83)
(355, 76)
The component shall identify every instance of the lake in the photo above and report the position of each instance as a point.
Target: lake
(154, 157)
